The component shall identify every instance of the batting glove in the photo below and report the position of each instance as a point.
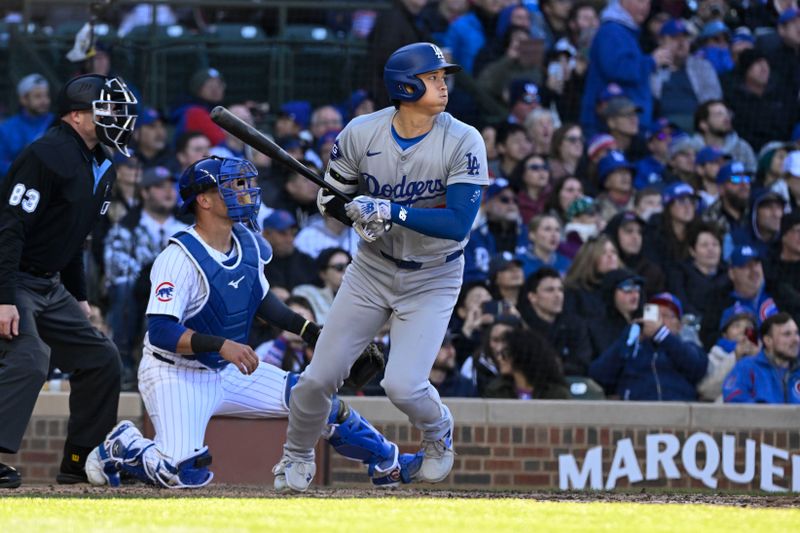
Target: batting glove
(370, 231)
(365, 209)
(323, 197)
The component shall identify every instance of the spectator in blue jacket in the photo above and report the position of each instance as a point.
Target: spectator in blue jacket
(616, 56)
(469, 32)
(747, 277)
(544, 236)
(772, 376)
(29, 124)
(649, 361)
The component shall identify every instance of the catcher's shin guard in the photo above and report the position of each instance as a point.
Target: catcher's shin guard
(355, 438)
(191, 473)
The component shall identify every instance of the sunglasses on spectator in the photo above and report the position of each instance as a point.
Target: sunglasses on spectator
(739, 179)
(507, 199)
(538, 166)
(629, 286)
(339, 267)
(574, 138)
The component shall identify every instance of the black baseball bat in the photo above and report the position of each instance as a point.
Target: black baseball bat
(249, 135)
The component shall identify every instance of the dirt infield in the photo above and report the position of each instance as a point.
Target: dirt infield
(239, 491)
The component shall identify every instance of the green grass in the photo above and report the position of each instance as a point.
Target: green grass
(29, 515)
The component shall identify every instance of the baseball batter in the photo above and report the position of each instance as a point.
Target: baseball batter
(207, 286)
(420, 169)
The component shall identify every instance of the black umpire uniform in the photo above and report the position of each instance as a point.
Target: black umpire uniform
(51, 199)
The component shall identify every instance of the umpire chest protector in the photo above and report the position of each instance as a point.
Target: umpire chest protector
(234, 291)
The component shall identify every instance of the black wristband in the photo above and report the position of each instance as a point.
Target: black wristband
(206, 343)
(310, 333)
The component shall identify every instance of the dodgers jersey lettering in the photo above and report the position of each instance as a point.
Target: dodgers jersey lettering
(452, 152)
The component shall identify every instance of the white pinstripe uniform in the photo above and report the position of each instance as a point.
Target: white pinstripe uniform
(181, 398)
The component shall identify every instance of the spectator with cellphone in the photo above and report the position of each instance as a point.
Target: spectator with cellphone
(484, 364)
(773, 375)
(649, 361)
(623, 296)
(506, 279)
(469, 319)
(738, 339)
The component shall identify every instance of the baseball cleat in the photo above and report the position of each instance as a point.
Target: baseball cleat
(438, 460)
(103, 463)
(407, 471)
(293, 475)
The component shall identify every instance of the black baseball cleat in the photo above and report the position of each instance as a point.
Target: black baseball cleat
(9, 477)
(71, 478)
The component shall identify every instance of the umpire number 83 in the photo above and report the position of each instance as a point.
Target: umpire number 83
(27, 198)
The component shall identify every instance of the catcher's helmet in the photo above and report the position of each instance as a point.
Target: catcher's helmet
(236, 181)
(403, 66)
(113, 106)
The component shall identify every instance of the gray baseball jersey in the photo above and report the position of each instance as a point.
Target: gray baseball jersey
(366, 159)
(452, 152)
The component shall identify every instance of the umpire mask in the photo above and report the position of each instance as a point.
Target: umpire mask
(115, 114)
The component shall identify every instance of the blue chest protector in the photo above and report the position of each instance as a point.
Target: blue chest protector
(234, 292)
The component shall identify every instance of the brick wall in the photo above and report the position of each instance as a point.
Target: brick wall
(520, 456)
(516, 444)
(41, 451)
(500, 443)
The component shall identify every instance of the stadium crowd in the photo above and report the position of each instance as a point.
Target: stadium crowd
(639, 154)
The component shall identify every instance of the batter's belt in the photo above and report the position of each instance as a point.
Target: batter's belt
(414, 265)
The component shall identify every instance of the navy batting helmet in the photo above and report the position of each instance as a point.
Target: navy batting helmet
(112, 103)
(236, 181)
(403, 66)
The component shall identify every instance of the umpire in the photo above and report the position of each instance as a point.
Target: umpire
(51, 198)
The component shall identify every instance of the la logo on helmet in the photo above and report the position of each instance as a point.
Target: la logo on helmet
(437, 51)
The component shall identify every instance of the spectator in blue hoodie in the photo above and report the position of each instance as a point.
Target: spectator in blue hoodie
(649, 361)
(772, 376)
(469, 32)
(29, 124)
(763, 232)
(616, 56)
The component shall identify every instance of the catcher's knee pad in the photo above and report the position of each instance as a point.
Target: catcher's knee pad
(191, 473)
(355, 438)
(291, 381)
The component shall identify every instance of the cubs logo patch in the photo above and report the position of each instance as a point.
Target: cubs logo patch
(336, 152)
(165, 291)
(767, 309)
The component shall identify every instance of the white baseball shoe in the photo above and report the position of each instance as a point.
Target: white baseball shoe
(438, 459)
(103, 463)
(293, 475)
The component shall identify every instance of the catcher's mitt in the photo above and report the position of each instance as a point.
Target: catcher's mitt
(366, 367)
